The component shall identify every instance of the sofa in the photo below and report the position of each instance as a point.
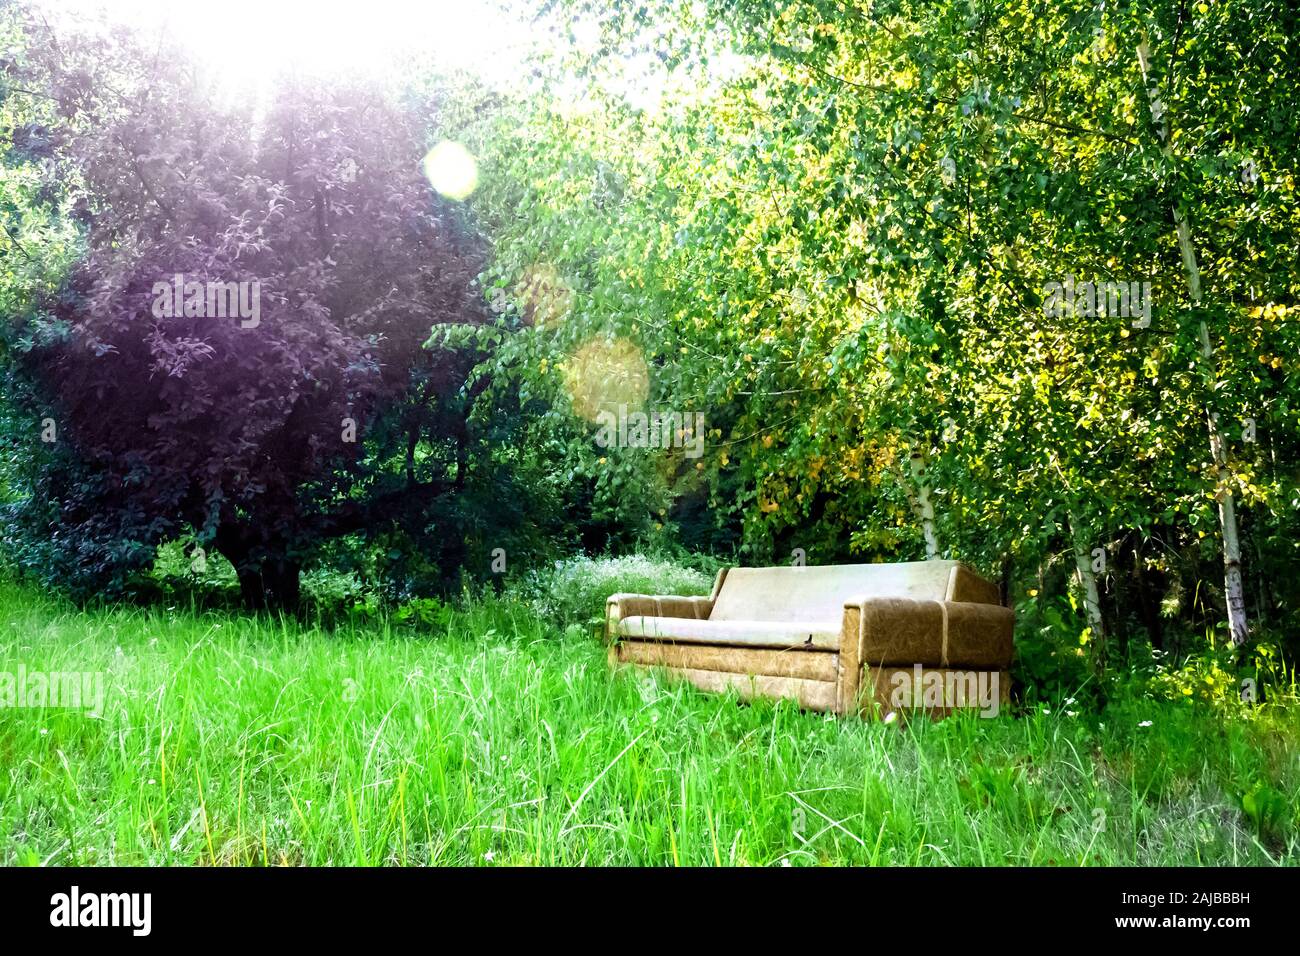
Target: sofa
(870, 639)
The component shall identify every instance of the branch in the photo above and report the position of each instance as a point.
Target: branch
(135, 165)
(16, 244)
(950, 101)
(356, 516)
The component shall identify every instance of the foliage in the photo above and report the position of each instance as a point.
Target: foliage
(833, 234)
(827, 229)
(314, 412)
(574, 591)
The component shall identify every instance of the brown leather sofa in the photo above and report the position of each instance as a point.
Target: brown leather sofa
(864, 638)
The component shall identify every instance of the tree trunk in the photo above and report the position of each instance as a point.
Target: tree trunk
(921, 503)
(267, 583)
(251, 592)
(1233, 589)
(1004, 580)
(282, 579)
(275, 586)
(1088, 583)
(1147, 599)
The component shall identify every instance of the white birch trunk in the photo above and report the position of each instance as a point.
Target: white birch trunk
(1088, 583)
(1233, 586)
(923, 506)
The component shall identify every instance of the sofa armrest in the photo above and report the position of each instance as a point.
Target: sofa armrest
(900, 632)
(620, 606)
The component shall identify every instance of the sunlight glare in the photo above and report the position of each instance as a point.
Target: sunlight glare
(451, 170)
(248, 41)
(604, 374)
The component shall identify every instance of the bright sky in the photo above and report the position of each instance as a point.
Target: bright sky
(246, 43)
(246, 40)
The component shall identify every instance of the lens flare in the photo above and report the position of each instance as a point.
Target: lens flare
(451, 170)
(543, 295)
(604, 374)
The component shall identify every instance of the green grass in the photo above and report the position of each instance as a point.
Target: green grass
(502, 740)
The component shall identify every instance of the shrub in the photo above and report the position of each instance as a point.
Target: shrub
(574, 591)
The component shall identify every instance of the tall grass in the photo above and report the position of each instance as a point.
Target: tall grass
(502, 739)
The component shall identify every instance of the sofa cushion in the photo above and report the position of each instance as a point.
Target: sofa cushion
(821, 636)
(790, 594)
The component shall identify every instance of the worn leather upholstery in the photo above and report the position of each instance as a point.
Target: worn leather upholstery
(759, 624)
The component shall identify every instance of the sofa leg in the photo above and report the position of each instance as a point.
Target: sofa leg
(849, 685)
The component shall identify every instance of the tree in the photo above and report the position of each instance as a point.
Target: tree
(842, 248)
(238, 352)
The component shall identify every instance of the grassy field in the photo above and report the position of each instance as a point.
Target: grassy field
(495, 738)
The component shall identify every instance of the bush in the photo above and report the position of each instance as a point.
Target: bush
(183, 571)
(1218, 676)
(574, 591)
(1052, 663)
(331, 590)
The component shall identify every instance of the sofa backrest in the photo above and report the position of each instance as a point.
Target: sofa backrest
(819, 593)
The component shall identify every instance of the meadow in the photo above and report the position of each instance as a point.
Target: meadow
(542, 302)
(489, 732)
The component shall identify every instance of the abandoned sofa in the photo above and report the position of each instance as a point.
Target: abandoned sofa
(859, 638)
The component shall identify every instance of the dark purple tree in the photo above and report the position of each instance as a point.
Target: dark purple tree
(239, 350)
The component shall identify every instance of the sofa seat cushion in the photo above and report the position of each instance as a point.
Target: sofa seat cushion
(805, 635)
